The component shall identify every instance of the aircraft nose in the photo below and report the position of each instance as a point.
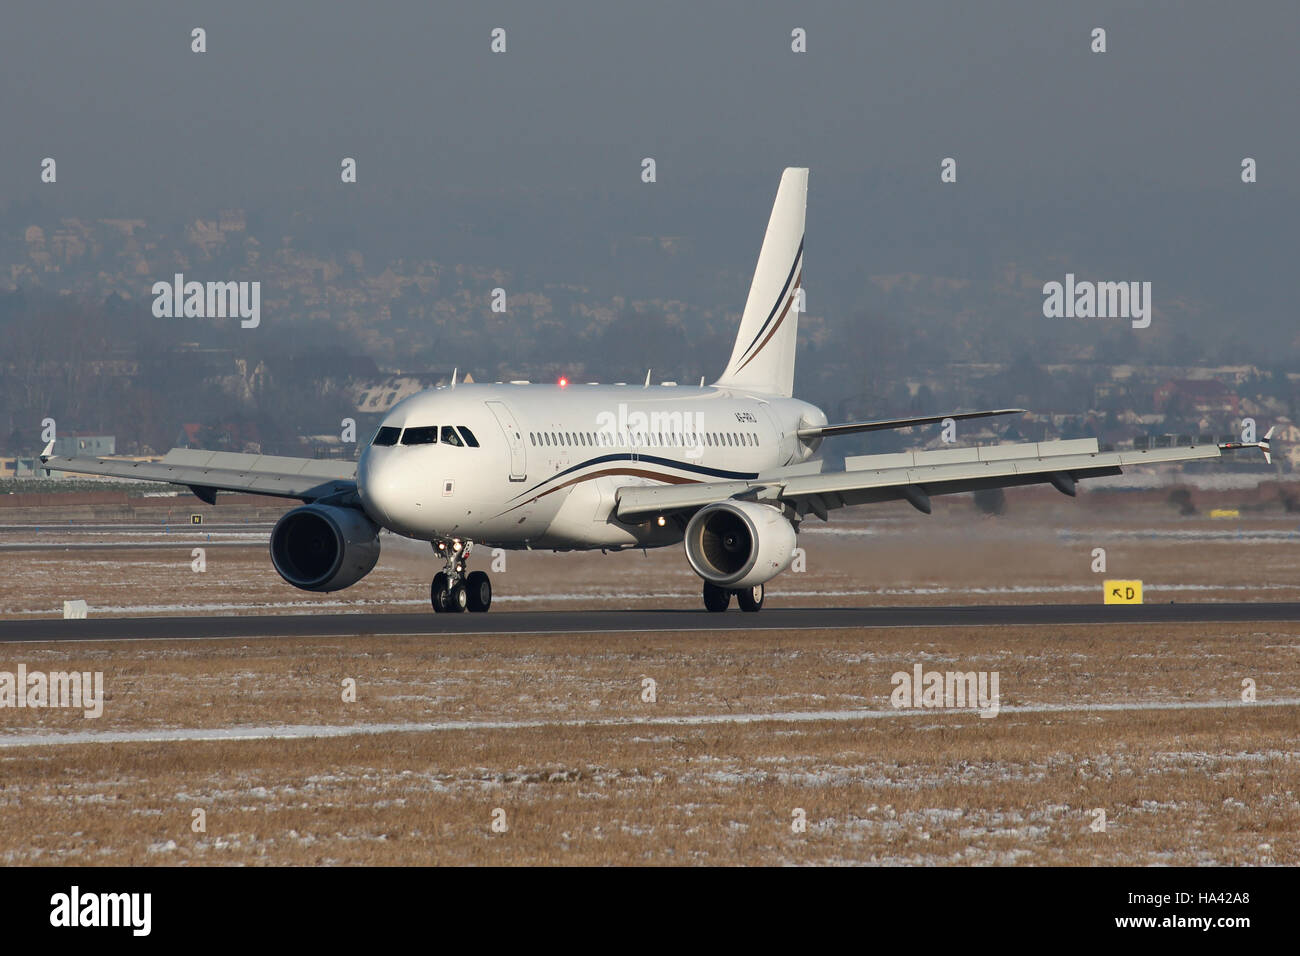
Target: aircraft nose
(384, 493)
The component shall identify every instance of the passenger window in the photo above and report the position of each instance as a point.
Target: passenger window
(449, 436)
(386, 436)
(427, 435)
(468, 435)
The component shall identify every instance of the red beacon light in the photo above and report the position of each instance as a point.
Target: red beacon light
(563, 381)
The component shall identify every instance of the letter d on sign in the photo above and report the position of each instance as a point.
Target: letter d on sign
(1122, 592)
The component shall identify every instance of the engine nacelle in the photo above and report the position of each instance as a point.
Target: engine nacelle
(739, 544)
(323, 548)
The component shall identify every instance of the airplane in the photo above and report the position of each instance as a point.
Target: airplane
(729, 470)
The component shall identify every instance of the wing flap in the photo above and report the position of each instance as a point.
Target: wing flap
(935, 473)
(636, 501)
(850, 428)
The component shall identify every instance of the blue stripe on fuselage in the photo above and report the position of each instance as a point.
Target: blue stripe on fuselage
(697, 469)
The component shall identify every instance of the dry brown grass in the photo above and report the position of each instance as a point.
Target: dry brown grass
(1183, 788)
(218, 683)
(1187, 786)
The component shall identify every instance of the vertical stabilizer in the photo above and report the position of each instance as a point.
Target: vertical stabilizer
(763, 357)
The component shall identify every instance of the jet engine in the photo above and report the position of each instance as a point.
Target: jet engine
(739, 544)
(324, 548)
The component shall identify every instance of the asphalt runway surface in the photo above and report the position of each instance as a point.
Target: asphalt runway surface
(523, 623)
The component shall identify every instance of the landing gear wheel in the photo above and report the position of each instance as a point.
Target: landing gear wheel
(439, 591)
(716, 599)
(478, 586)
(457, 598)
(750, 599)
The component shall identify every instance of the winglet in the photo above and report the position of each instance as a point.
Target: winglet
(1264, 444)
(45, 455)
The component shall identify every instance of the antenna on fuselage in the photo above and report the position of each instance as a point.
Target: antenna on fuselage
(453, 376)
(647, 377)
(701, 381)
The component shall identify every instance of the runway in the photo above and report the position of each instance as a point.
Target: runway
(523, 623)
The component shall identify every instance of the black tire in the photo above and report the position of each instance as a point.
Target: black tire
(716, 599)
(479, 588)
(457, 599)
(438, 592)
(750, 599)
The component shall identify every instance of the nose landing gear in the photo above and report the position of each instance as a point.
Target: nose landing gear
(453, 590)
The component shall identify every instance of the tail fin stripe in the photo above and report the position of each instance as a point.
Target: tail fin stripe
(784, 312)
(780, 298)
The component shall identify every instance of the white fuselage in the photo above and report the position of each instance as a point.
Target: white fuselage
(550, 458)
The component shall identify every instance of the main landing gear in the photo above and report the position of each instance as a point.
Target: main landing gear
(452, 589)
(717, 599)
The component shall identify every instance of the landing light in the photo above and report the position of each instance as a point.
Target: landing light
(662, 521)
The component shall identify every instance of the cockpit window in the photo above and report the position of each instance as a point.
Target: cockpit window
(386, 436)
(468, 436)
(428, 435)
(449, 436)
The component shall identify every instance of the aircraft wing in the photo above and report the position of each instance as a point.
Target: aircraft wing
(207, 472)
(913, 477)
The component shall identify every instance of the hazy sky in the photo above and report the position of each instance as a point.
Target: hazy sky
(1128, 160)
